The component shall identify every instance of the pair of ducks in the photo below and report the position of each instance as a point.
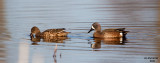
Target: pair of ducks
(107, 33)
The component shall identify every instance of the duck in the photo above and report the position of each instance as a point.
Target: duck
(60, 32)
(107, 33)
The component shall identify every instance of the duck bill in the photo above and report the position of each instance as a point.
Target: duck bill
(90, 30)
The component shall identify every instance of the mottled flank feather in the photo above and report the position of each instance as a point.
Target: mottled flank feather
(114, 32)
(55, 32)
(108, 34)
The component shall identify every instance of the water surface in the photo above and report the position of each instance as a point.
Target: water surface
(140, 17)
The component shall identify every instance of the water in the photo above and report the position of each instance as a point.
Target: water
(140, 17)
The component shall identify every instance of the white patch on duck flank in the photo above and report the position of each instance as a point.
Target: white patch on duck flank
(93, 27)
(121, 34)
(121, 40)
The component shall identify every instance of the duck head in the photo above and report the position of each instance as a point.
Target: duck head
(34, 32)
(95, 26)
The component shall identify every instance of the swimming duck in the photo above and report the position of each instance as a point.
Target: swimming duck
(35, 32)
(107, 33)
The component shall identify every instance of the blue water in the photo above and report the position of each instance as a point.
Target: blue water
(140, 17)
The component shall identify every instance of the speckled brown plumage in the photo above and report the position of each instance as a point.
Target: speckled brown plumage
(48, 33)
(54, 33)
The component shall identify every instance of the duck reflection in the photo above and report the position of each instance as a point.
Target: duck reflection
(107, 41)
(97, 43)
(48, 39)
(36, 39)
(54, 39)
(34, 43)
(114, 41)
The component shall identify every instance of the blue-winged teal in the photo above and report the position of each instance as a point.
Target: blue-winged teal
(107, 33)
(35, 32)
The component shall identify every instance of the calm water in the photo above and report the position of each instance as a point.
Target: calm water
(140, 17)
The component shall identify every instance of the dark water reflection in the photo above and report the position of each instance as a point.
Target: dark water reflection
(140, 17)
(107, 41)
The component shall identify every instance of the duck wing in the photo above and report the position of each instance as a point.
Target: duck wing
(121, 29)
(55, 30)
(114, 29)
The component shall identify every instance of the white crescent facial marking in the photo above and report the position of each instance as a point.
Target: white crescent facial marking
(93, 27)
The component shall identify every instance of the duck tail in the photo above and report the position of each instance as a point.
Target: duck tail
(125, 32)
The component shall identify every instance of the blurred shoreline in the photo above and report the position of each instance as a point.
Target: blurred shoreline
(4, 35)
